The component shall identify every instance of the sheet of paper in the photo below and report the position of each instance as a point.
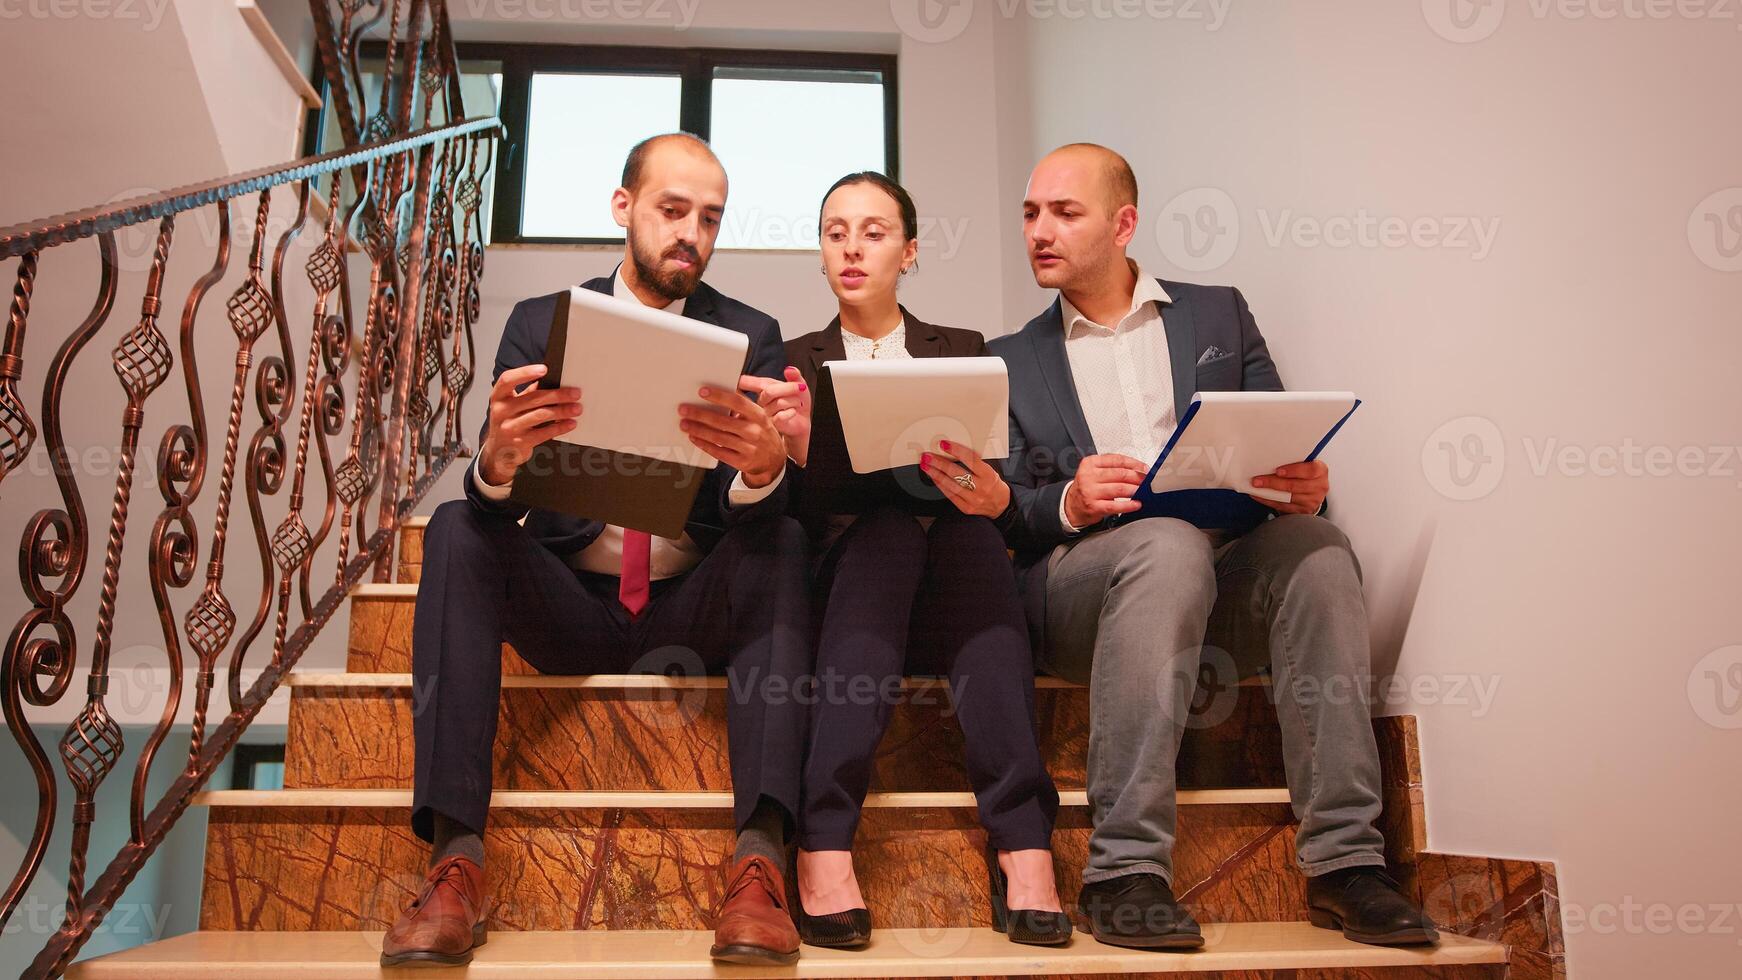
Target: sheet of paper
(635, 365)
(893, 411)
(1233, 436)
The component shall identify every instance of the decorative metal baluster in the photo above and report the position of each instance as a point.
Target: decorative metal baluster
(436, 263)
(292, 544)
(273, 397)
(454, 375)
(389, 506)
(471, 196)
(37, 670)
(174, 539)
(354, 474)
(17, 431)
(92, 743)
(334, 332)
(212, 621)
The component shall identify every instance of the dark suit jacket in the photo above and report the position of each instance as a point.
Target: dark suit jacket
(523, 342)
(809, 352)
(1049, 435)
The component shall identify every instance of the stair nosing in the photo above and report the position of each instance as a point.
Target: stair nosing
(336, 680)
(665, 799)
(895, 952)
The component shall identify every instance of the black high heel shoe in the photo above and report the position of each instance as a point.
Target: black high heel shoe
(837, 930)
(1032, 927)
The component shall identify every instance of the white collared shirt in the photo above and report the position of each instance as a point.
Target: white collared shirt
(1123, 376)
(668, 557)
(892, 346)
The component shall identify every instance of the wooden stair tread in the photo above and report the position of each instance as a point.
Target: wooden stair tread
(623, 955)
(662, 799)
(317, 681)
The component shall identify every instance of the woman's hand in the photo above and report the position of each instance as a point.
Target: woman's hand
(788, 404)
(990, 494)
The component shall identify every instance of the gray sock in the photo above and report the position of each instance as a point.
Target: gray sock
(453, 837)
(764, 833)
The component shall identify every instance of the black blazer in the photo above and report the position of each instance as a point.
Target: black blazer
(523, 342)
(807, 353)
(1213, 345)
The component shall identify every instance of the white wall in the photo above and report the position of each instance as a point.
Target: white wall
(1592, 322)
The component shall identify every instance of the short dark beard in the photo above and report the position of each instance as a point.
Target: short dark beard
(673, 285)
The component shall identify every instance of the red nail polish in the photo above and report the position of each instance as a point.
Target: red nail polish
(945, 443)
(925, 459)
(803, 387)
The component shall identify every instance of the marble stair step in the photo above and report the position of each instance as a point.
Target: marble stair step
(1243, 951)
(1232, 739)
(634, 732)
(347, 859)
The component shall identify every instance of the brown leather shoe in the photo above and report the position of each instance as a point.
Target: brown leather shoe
(444, 923)
(754, 925)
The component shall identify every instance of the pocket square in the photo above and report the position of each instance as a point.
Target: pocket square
(1211, 353)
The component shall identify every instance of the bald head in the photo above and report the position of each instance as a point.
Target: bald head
(635, 166)
(1113, 176)
(1078, 216)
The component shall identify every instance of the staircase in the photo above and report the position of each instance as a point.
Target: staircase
(612, 818)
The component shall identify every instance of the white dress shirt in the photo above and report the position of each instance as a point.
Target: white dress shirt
(1123, 376)
(668, 557)
(892, 346)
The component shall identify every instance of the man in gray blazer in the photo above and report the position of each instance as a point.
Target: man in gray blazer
(1097, 385)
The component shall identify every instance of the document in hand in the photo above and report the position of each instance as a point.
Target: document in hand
(894, 411)
(1228, 437)
(627, 462)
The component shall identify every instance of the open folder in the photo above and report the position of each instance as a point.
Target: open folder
(1226, 438)
(871, 420)
(627, 462)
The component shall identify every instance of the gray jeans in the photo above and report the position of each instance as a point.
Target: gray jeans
(1129, 612)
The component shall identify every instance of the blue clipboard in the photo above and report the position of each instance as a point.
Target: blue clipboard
(1213, 508)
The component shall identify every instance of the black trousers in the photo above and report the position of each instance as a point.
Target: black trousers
(486, 580)
(942, 601)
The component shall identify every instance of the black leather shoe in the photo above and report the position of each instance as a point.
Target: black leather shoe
(837, 930)
(1368, 906)
(1032, 927)
(1139, 911)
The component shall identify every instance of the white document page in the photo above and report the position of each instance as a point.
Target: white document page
(635, 365)
(893, 411)
(1237, 435)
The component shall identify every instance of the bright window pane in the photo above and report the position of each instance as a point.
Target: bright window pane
(580, 127)
(784, 136)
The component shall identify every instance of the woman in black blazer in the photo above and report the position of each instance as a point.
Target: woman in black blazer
(933, 595)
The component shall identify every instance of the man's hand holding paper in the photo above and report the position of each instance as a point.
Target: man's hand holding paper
(521, 418)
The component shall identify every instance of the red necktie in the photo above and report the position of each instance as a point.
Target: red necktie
(632, 587)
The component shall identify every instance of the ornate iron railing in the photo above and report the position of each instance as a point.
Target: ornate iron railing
(416, 170)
